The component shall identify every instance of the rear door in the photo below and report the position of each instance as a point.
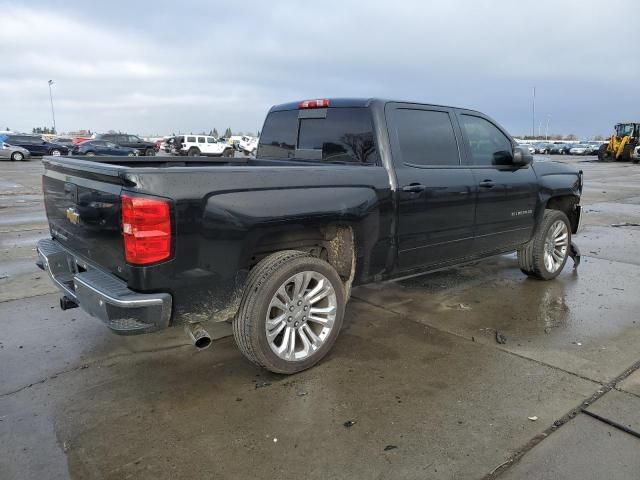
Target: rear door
(113, 149)
(202, 145)
(506, 194)
(436, 191)
(123, 140)
(38, 146)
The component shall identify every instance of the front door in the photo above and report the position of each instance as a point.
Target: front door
(436, 193)
(507, 194)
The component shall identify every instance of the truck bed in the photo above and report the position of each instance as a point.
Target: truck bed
(158, 162)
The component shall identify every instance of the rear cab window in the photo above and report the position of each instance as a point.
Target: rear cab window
(342, 135)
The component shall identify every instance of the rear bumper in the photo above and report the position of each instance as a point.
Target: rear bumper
(103, 295)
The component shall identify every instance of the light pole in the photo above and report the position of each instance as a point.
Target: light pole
(546, 136)
(533, 114)
(52, 112)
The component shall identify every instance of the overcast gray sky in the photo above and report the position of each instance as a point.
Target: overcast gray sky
(154, 68)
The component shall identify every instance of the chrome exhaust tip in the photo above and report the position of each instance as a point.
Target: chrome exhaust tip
(198, 335)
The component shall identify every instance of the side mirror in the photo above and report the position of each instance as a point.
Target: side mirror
(522, 157)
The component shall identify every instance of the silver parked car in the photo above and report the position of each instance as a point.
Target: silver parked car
(12, 152)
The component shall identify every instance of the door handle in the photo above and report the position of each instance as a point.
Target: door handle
(414, 187)
(487, 184)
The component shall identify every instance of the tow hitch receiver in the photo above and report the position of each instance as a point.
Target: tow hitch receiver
(66, 303)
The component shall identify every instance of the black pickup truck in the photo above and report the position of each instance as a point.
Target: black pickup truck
(342, 192)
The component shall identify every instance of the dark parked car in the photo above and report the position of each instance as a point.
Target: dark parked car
(341, 193)
(132, 141)
(559, 148)
(102, 147)
(36, 145)
(67, 142)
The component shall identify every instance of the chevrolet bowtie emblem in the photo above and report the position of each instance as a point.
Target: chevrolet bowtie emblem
(72, 215)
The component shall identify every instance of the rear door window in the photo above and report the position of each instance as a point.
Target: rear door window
(425, 137)
(201, 140)
(191, 139)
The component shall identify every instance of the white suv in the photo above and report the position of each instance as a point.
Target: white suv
(196, 145)
(248, 144)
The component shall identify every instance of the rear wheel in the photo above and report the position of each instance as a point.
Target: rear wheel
(546, 253)
(55, 152)
(291, 312)
(149, 152)
(90, 154)
(17, 156)
(193, 152)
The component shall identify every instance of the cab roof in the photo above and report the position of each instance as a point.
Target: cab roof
(353, 102)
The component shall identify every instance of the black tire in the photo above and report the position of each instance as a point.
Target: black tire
(149, 152)
(264, 279)
(90, 154)
(56, 152)
(193, 152)
(603, 154)
(531, 256)
(228, 153)
(17, 156)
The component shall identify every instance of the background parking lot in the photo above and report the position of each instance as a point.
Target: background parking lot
(416, 386)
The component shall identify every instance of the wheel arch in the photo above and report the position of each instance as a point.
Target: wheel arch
(566, 204)
(333, 242)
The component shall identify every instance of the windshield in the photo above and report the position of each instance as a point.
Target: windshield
(623, 130)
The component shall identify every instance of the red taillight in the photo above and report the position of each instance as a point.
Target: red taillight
(146, 229)
(318, 103)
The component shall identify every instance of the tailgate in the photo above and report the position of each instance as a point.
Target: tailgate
(83, 210)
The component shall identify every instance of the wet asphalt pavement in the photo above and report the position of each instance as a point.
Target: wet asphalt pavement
(416, 386)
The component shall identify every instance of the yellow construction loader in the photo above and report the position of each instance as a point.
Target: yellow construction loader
(621, 144)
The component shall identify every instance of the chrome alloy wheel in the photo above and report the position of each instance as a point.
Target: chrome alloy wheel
(555, 246)
(301, 315)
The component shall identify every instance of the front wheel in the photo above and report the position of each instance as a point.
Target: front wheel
(603, 153)
(291, 312)
(626, 154)
(545, 255)
(55, 152)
